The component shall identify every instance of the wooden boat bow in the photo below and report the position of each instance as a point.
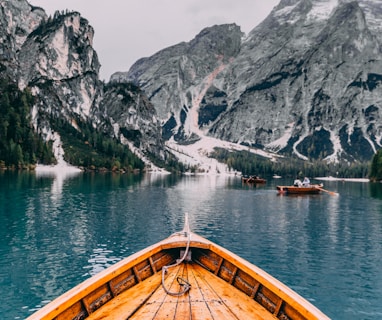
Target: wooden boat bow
(221, 285)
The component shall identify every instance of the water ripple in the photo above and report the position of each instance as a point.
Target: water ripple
(326, 248)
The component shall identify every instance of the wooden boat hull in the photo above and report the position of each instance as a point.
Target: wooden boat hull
(223, 285)
(253, 180)
(313, 189)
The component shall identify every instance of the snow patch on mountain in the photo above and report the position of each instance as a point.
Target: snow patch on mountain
(198, 154)
(62, 166)
(286, 12)
(282, 142)
(151, 167)
(191, 124)
(322, 9)
(333, 158)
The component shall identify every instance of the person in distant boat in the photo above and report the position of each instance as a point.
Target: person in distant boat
(306, 182)
(297, 183)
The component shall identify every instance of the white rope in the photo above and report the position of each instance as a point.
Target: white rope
(181, 281)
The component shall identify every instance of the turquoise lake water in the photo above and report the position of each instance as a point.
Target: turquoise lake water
(56, 231)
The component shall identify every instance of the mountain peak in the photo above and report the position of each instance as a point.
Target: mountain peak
(291, 11)
(304, 83)
(301, 83)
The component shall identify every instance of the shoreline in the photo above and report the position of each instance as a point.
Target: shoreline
(330, 178)
(40, 168)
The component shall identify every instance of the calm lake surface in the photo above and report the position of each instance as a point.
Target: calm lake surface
(57, 231)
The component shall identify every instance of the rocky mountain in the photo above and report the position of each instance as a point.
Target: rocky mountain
(305, 82)
(54, 58)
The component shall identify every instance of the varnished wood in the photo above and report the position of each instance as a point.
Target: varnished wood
(312, 189)
(223, 286)
(126, 304)
(253, 180)
(209, 298)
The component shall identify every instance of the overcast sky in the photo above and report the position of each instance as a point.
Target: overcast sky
(127, 30)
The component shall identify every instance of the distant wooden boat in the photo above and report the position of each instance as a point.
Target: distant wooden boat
(182, 277)
(311, 189)
(253, 179)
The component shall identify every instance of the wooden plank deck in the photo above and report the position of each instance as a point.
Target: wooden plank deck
(209, 298)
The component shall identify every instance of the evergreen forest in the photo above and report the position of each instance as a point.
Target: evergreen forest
(251, 164)
(20, 146)
(376, 167)
(91, 149)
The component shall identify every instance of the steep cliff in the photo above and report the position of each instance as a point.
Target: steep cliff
(54, 58)
(17, 20)
(179, 80)
(305, 82)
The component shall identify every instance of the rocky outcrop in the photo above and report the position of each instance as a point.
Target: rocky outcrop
(306, 81)
(55, 59)
(304, 98)
(17, 20)
(179, 79)
(132, 118)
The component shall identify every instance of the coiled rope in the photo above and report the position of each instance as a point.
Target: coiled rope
(182, 282)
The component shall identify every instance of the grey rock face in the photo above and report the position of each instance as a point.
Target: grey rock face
(306, 81)
(55, 58)
(59, 55)
(177, 79)
(17, 20)
(132, 118)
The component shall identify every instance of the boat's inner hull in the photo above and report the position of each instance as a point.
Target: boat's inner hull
(208, 298)
(220, 289)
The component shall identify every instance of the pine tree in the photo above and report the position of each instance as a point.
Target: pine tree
(376, 167)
